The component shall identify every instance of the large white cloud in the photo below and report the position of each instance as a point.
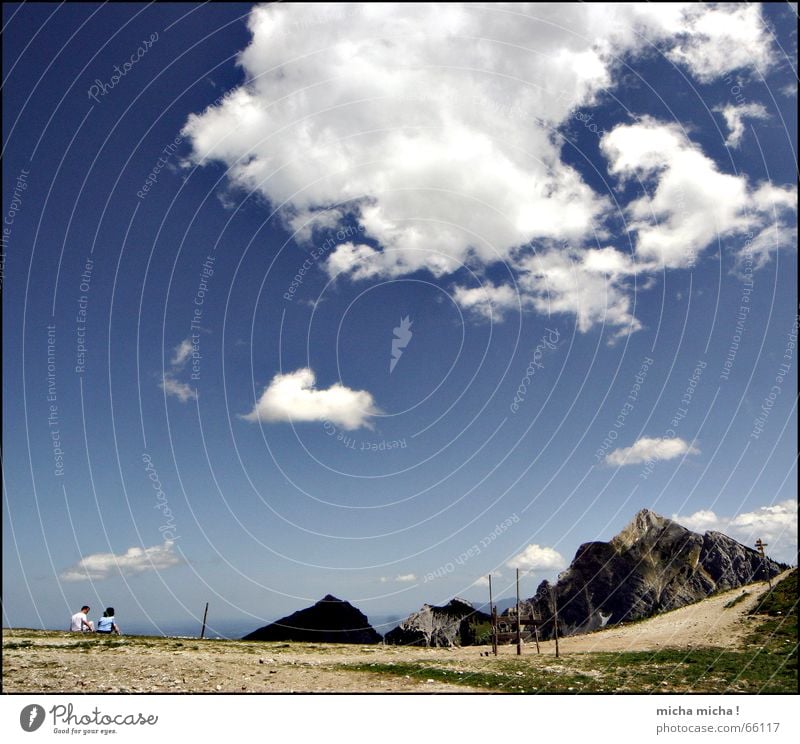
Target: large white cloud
(98, 566)
(651, 449)
(538, 558)
(434, 127)
(776, 525)
(292, 397)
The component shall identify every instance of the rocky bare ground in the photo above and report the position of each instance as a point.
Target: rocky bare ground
(50, 661)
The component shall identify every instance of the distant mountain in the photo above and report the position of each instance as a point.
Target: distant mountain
(331, 620)
(453, 624)
(652, 566)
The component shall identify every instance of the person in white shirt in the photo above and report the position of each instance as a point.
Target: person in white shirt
(80, 622)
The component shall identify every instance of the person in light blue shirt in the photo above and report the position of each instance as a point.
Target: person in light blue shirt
(106, 624)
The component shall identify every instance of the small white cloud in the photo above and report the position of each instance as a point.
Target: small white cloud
(649, 449)
(178, 389)
(292, 397)
(99, 566)
(483, 581)
(537, 558)
(734, 117)
(700, 521)
(776, 525)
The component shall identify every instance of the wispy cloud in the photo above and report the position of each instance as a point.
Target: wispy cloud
(649, 449)
(177, 389)
(99, 566)
(181, 353)
(292, 397)
(400, 579)
(170, 383)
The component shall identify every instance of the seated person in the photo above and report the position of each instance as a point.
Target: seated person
(106, 623)
(80, 623)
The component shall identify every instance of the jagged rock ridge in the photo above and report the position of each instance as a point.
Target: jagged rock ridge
(450, 625)
(653, 565)
(331, 620)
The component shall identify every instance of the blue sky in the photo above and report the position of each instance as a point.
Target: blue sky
(217, 218)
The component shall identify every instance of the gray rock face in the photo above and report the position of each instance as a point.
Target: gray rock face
(450, 625)
(652, 566)
(330, 620)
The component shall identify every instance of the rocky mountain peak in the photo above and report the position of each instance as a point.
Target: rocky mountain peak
(331, 620)
(644, 523)
(452, 624)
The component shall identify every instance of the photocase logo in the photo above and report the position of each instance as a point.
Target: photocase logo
(402, 335)
(31, 717)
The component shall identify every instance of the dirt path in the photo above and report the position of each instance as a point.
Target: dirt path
(706, 623)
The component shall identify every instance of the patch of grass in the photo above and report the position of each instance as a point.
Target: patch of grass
(781, 599)
(698, 670)
(13, 646)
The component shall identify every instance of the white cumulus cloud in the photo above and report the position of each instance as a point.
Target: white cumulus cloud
(537, 558)
(431, 126)
(776, 525)
(133, 561)
(293, 397)
(651, 449)
(693, 204)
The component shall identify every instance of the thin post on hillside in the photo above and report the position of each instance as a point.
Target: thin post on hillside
(519, 621)
(493, 616)
(203, 629)
(555, 617)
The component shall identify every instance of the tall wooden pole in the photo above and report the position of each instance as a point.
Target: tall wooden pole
(203, 629)
(493, 616)
(555, 617)
(519, 626)
(536, 636)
